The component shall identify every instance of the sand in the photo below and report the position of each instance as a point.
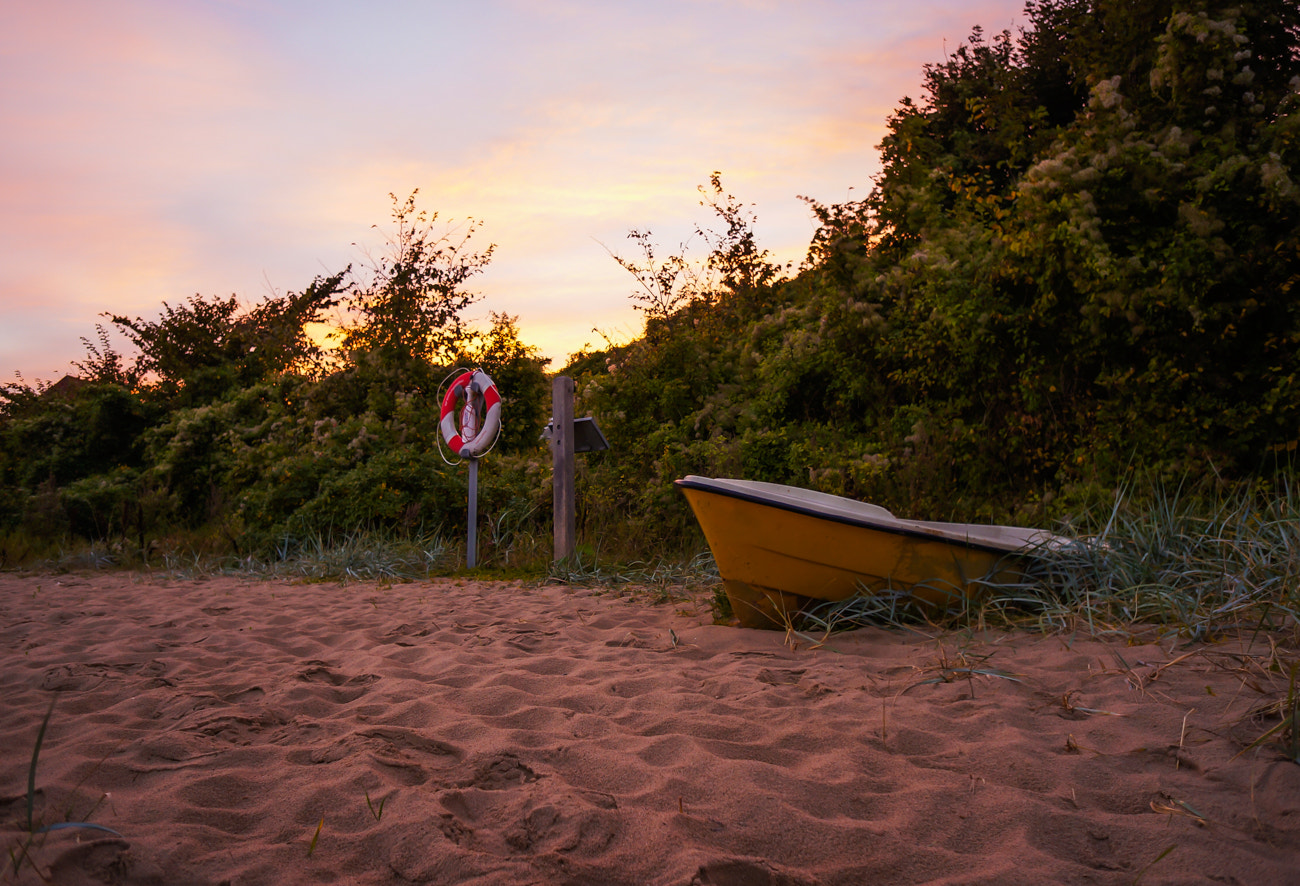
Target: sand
(260, 732)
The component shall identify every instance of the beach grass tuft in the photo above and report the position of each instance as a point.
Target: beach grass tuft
(660, 581)
(361, 556)
(1195, 563)
(22, 851)
(1286, 732)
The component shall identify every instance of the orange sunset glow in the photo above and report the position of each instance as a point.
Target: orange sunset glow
(155, 150)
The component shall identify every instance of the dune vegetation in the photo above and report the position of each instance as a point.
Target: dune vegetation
(1077, 272)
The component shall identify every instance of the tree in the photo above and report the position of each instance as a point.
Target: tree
(745, 272)
(737, 274)
(204, 348)
(1168, 222)
(663, 287)
(1086, 241)
(411, 308)
(104, 363)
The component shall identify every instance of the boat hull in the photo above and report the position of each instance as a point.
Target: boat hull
(778, 549)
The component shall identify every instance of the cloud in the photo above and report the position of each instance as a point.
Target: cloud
(161, 148)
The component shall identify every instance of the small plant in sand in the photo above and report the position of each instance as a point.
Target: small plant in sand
(1286, 732)
(21, 851)
(311, 847)
(962, 665)
(376, 809)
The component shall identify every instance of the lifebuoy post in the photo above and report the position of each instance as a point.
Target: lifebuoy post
(471, 542)
(469, 422)
(562, 483)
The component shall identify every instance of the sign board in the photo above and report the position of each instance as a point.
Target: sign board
(587, 436)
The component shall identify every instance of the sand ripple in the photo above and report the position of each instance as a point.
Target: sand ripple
(484, 733)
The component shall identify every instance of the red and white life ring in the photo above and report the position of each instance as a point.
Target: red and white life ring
(471, 430)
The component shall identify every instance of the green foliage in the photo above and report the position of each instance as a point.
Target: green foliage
(741, 272)
(1081, 255)
(197, 352)
(234, 425)
(730, 285)
(70, 459)
(104, 363)
(1166, 227)
(1084, 245)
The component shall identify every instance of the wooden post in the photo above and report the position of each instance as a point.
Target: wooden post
(566, 521)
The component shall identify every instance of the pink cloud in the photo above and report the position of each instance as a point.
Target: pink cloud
(158, 148)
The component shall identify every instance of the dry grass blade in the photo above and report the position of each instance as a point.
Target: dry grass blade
(22, 852)
(311, 847)
(1153, 862)
(1287, 729)
(31, 770)
(950, 675)
(1173, 806)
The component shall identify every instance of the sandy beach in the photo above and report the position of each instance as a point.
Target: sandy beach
(232, 731)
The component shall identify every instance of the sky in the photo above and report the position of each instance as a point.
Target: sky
(152, 150)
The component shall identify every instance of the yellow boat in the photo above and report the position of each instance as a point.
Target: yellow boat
(780, 548)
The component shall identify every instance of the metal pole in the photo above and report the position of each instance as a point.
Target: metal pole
(562, 483)
(471, 548)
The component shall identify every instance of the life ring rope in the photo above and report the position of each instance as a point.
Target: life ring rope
(470, 418)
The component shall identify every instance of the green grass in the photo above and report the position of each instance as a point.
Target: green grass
(1197, 559)
(360, 556)
(659, 581)
(1198, 562)
(1187, 559)
(22, 851)
(374, 555)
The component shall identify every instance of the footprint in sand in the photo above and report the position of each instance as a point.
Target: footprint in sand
(747, 872)
(501, 772)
